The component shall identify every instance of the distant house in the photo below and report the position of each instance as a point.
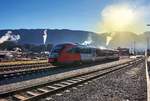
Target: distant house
(5, 55)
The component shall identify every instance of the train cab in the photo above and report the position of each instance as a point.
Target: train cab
(64, 54)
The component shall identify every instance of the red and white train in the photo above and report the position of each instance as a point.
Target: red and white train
(70, 53)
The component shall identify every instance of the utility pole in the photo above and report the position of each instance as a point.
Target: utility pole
(147, 69)
(148, 43)
(134, 47)
(148, 49)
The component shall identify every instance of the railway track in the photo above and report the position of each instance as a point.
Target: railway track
(25, 69)
(37, 92)
(19, 66)
(14, 63)
(14, 70)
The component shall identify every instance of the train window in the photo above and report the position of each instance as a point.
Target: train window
(86, 50)
(99, 52)
(74, 50)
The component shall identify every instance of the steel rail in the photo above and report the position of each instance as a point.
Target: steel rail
(12, 67)
(23, 69)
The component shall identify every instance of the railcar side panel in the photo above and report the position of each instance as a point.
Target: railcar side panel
(68, 57)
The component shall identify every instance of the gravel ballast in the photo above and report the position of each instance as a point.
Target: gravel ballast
(128, 84)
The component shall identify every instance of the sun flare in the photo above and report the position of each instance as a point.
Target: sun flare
(120, 18)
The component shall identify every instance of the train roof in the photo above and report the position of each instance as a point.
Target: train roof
(69, 43)
(86, 46)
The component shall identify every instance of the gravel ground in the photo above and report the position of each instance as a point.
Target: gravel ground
(128, 84)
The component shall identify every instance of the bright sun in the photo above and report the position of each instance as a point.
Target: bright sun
(121, 17)
(118, 18)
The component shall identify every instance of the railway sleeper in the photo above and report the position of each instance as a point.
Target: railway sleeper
(32, 93)
(60, 85)
(67, 83)
(19, 97)
(53, 87)
(71, 81)
(43, 89)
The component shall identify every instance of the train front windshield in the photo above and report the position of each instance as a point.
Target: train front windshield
(55, 51)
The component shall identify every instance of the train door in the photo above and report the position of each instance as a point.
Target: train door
(93, 54)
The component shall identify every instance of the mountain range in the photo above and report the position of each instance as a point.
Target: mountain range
(56, 36)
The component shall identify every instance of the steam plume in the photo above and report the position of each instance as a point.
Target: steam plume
(88, 41)
(109, 38)
(9, 37)
(45, 36)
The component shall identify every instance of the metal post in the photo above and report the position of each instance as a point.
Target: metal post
(147, 68)
(134, 47)
(148, 43)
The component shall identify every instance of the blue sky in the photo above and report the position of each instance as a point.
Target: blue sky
(67, 14)
(52, 14)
